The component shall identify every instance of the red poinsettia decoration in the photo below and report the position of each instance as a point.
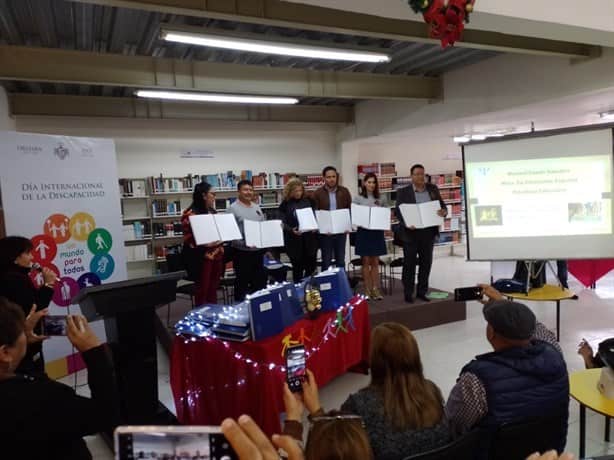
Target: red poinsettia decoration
(446, 19)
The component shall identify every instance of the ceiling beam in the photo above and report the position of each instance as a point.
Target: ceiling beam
(294, 15)
(79, 67)
(25, 104)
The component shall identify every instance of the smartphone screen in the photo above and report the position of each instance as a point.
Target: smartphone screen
(54, 325)
(193, 443)
(468, 293)
(295, 367)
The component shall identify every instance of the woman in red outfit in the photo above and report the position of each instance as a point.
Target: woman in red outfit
(205, 264)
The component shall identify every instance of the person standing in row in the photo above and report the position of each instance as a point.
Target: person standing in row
(418, 243)
(247, 261)
(370, 244)
(329, 197)
(301, 247)
(205, 264)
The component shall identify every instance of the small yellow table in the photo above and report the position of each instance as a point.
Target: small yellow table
(546, 293)
(583, 388)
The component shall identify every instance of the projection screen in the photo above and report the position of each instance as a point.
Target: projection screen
(546, 197)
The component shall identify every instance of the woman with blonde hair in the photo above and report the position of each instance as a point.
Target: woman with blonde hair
(301, 247)
(401, 409)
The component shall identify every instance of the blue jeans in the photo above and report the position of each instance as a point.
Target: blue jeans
(333, 247)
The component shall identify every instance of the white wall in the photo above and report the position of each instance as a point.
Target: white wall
(151, 147)
(6, 122)
(501, 83)
(438, 155)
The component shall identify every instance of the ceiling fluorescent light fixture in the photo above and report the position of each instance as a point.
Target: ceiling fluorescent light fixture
(267, 47)
(607, 115)
(461, 139)
(210, 97)
(478, 137)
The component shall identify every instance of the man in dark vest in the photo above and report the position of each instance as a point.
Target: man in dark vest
(524, 377)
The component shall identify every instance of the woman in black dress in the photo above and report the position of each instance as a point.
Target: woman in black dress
(301, 247)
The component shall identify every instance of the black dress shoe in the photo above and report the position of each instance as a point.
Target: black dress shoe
(409, 299)
(423, 297)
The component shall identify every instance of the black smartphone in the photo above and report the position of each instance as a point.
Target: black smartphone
(467, 293)
(158, 442)
(54, 325)
(295, 367)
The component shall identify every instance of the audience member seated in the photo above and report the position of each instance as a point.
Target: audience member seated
(594, 360)
(43, 418)
(402, 411)
(15, 284)
(524, 377)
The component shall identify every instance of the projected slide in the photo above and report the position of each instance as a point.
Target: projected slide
(544, 196)
(541, 197)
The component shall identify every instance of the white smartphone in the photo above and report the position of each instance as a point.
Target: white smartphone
(172, 443)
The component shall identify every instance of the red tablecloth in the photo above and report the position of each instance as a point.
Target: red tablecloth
(589, 271)
(212, 379)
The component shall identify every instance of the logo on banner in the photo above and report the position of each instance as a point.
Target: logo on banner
(61, 152)
(29, 148)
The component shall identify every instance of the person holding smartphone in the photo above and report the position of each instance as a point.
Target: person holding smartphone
(16, 285)
(301, 247)
(43, 418)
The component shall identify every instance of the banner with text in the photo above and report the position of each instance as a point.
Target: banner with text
(62, 193)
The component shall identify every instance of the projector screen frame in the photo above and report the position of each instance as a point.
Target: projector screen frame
(522, 136)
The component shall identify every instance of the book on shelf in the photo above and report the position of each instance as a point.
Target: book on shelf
(132, 187)
(450, 194)
(445, 179)
(380, 169)
(163, 207)
(136, 230)
(314, 180)
(401, 181)
(167, 228)
(137, 252)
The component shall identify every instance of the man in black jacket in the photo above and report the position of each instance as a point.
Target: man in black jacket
(417, 242)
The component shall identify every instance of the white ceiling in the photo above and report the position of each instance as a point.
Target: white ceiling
(552, 19)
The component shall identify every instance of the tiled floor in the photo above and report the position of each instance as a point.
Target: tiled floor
(445, 349)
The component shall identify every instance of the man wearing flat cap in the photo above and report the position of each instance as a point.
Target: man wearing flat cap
(523, 378)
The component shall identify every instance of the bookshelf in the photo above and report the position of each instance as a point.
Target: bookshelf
(152, 208)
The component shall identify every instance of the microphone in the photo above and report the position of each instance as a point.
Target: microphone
(38, 267)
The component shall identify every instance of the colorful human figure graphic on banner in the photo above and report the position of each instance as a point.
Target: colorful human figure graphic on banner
(65, 289)
(88, 280)
(81, 225)
(44, 249)
(102, 265)
(57, 226)
(99, 241)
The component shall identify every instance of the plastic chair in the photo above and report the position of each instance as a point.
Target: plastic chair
(463, 448)
(174, 263)
(520, 439)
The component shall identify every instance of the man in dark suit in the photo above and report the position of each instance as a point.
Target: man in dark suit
(417, 242)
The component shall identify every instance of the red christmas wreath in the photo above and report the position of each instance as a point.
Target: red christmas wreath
(446, 19)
